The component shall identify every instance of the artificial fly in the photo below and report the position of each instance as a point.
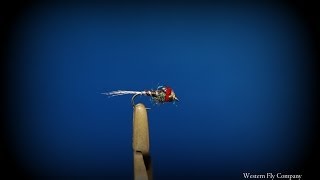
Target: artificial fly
(161, 95)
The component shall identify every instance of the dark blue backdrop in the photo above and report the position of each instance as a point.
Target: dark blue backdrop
(240, 72)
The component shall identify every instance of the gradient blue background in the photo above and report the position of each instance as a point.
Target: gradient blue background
(240, 72)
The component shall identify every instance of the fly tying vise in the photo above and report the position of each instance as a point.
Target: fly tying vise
(161, 95)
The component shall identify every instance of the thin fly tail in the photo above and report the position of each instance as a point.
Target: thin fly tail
(121, 92)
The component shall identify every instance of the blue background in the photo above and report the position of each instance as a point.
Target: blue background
(240, 72)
